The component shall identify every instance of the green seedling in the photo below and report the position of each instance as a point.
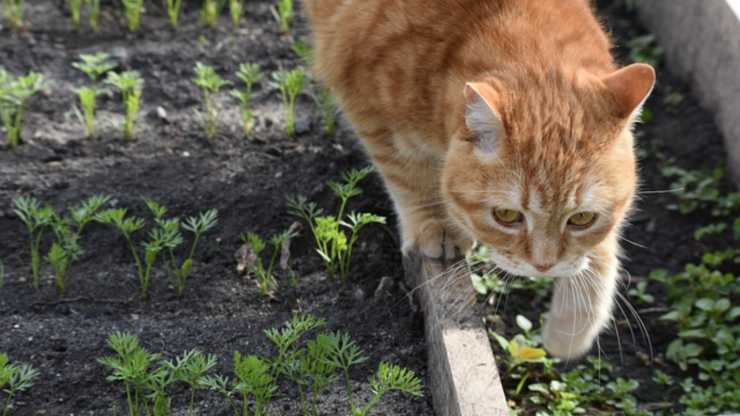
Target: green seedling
(249, 74)
(209, 83)
(236, 10)
(131, 366)
(174, 8)
(285, 339)
(132, 9)
(252, 381)
(309, 369)
(36, 218)
(14, 379)
(75, 11)
(333, 244)
(345, 354)
(93, 13)
(283, 13)
(14, 94)
(130, 85)
(191, 368)
(265, 277)
(328, 107)
(94, 66)
(290, 84)
(210, 12)
(390, 378)
(13, 13)
(197, 226)
(304, 52)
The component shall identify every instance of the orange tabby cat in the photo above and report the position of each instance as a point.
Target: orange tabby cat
(501, 121)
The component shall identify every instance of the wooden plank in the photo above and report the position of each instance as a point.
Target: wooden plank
(463, 377)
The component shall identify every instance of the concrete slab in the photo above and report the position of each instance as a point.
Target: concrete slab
(701, 39)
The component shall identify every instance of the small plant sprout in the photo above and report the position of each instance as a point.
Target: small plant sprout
(191, 368)
(14, 379)
(290, 84)
(210, 83)
(36, 218)
(345, 354)
(174, 8)
(75, 11)
(390, 378)
(13, 13)
(93, 13)
(130, 85)
(285, 338)
(252, 381)
(304, 51)
(197, 226)
(14, 94)
(211, 11)
(265, 278)
(236, 10)
(283, 13)
(249, 74)
(94, 66)
(328, 107)
(132, 9)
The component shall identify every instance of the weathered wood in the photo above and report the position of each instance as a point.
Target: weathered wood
(463, 377)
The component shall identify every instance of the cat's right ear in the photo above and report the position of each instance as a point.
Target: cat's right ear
(481, 116)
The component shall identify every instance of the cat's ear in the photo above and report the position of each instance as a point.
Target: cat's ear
(481, 116)
(630, 87)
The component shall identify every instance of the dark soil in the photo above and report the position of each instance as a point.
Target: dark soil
(172, 162)
(682, 135)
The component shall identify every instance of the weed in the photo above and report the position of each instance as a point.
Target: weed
(36, 218)
(639, 292)
(14, 94)
(75, 11)
(14, 379)
(283, 13)
(210, 12)
(132, 9)
(644, 49)
(130, 85)
(13, 13)
(328, 107)
(210, 83)
(93, 13)
(290, 84)
(236, 10)
(249, 74)
(265, 278)
(94, 66)
(174, 8)
(333, 244)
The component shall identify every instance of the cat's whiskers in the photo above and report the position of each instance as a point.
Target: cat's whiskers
(640, 322)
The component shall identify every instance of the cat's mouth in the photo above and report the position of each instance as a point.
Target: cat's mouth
(562, 269)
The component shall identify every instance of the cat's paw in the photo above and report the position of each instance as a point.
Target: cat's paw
(436, 241)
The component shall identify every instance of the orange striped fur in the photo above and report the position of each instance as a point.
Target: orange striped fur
(469, 106)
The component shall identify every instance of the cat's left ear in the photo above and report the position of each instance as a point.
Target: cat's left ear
(481, 116)
(630, 87)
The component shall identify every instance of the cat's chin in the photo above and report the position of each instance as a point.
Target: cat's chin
(560, 271)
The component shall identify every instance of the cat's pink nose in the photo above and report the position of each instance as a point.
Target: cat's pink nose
(543, 267)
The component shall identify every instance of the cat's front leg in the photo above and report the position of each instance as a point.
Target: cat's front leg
(582, 306)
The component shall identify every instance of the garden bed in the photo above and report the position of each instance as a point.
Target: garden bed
(171, 161)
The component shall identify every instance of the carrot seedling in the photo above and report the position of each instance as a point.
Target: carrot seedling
(94, 66)
(13, 12)
(210, 12)
(197, 226)
(93, 13)
(328, 107)
(191, 368)
(14, 379)
(236, 10)
(132, 9)
(345, 354)
(266, 281)
(283, 13)
(14, 94)
(290, 84)
(209, 83)
(249, 74)
(303, 51)
(252, 382)
(75, 11)
(36, 218)
(388, 378)
(130, 84)
(174, 8)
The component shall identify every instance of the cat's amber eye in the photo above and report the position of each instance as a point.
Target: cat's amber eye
(508, 217)
(582, 219)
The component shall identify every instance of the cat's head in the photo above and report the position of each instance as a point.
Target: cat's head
(544, 169)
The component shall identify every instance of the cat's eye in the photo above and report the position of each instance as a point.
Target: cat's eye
(508, 217)
(582, 219)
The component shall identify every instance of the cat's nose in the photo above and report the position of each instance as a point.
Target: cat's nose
(542, 268)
